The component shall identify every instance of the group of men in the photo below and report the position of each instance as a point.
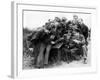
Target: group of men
(67, 38)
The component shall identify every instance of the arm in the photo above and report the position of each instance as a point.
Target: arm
(57, 41)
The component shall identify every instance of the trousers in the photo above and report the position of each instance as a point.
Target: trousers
(42, 57)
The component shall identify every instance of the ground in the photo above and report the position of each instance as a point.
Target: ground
(28, 62)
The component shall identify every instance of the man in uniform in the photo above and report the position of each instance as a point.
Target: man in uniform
(65, 55)
(75, 19)
(80, 42)
(84, 29)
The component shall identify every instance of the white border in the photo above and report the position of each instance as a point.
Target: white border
(17, 41)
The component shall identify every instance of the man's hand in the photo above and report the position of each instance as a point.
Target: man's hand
(31, 49)
(47, 31)
(52, 42)
(77, 41)
(52, 37)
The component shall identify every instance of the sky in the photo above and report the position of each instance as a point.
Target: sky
(35, 19)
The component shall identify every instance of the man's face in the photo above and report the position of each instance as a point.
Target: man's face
(69, 35)
(53, 29)
(80, 21)
(74, 32)
(75, 17)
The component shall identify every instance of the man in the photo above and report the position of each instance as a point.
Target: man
(75, 19)
(39, 41)
(46, 46)
(84, 29)
(52, 37)
(38, 45)
(49, 43)
(65, 56)
(80, 42)
(64, 25)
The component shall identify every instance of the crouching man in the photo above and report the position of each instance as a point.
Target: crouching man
(80, 40)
